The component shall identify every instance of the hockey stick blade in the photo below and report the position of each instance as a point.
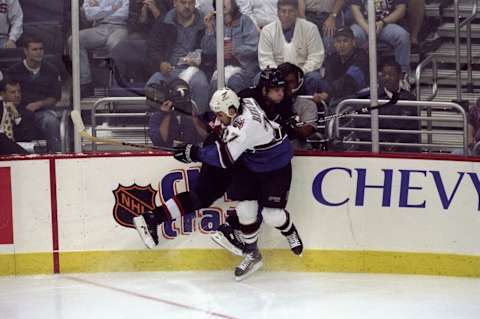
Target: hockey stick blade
(80, 128)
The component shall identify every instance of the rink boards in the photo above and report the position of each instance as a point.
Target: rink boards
(355, 214)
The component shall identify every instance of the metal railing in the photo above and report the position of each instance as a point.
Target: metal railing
(334, 130)
(458, 26)
(476, 149)
(115, 101)
(431, 59)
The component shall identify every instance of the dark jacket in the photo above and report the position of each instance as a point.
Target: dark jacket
(345, 79)
(181, 130)
(162, 39)
(160, 43)
(393, 124)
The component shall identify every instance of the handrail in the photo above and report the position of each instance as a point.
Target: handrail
(421, 104)
(476, 149)
(418, 74)
(458, 25)
(107, 100)
(64, 131)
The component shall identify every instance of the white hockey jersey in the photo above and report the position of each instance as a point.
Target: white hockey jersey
(252, 139)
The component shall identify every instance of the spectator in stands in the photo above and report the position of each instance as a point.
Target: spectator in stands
(346, 70)
(262, 12)
(305, 108)
(240, 46)
(185, 57)
(109, 19)
(390, 81)
(142, 15)
(129, 55)
(175, 121)
(11, 23)
(41, 89)
(295, 40)
(390, 28)
(326, 15)
(10, 98)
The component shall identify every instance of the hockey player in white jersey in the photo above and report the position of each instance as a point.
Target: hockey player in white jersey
(261, 178)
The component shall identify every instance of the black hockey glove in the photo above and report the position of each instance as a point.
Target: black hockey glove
(292, 122)
(185, 153)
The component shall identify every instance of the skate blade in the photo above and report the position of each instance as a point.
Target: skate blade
(255, 267)
(220, 240)
(142, 229)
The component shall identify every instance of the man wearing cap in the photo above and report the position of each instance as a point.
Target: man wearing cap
(346, 70)
(175, 119)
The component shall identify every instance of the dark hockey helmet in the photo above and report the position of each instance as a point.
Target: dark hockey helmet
(156, 93)
(287, 68)
(180, 96)
(271, 78)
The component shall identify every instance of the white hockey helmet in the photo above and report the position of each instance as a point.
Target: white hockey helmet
(223, 99)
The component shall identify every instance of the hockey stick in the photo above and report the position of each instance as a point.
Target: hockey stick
(363, 110)
(80, 128)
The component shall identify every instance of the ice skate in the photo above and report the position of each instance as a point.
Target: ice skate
(147, 229)
(226, 237)
(294, 241)
(250, 264)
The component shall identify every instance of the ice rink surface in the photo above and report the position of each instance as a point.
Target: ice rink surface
(216, 295)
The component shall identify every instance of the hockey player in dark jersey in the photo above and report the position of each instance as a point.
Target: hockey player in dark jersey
(278, 109)
(261, 177)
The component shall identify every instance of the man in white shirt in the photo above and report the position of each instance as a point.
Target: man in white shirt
(295, 40)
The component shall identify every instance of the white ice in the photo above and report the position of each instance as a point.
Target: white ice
(216, 295)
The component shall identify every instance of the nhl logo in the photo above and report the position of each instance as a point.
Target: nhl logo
(132, 201)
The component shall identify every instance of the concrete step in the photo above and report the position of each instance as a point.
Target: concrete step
(464, 9)
(448, 77)
(447, 94)
(447, 30)
(446, 53)
(433, 9)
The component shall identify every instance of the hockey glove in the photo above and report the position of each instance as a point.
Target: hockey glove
(183, 153)
(292, 122)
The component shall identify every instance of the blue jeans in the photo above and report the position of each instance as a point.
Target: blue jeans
(199, 86)
(46, 121)
(319, 19)
(103, 35)
(313, 83)
(392, 34)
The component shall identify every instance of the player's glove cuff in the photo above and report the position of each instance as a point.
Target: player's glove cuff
(186, 153)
